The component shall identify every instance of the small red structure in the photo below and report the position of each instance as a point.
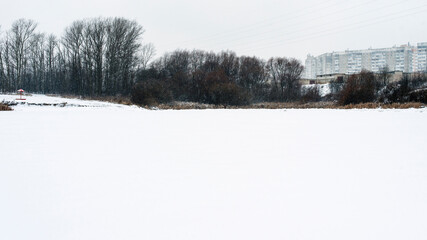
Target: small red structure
(20, 91)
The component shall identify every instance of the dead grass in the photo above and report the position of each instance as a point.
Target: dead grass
(291, 105)
(383, 106)
(5, 107)
(264, 105)
(287, 105)
(110, 99)
(184, 106)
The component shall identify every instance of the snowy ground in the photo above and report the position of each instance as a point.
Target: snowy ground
(37, 100)
(323, 88)
(116, 172)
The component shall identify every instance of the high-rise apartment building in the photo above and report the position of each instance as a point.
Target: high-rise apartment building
(405, 58)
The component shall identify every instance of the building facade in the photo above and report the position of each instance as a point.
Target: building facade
(405, 58)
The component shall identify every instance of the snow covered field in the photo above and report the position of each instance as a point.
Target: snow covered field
(107, 171)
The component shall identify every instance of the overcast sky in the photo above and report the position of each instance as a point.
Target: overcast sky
(263, 28)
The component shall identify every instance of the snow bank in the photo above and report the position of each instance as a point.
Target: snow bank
(126, 173)
(36, 100)
(324, 88)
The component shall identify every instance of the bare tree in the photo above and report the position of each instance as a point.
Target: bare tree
(19, 42)
(123, 43)
(253, 76)
(148, 51)
(3, 80)
(292, 78)
(73, 44)
(229, 63)
(95, 34)
(285, 73)
(51, 46)
(8, 66)
(36, 60)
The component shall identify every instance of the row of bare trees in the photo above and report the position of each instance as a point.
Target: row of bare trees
(105, 56)
(94, 57)
(219, 78)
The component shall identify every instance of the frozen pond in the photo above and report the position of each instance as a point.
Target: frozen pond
(107, 171)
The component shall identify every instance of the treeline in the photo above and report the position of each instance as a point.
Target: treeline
(93, 57)
(217, 78)
(367, 86)
(106, 57)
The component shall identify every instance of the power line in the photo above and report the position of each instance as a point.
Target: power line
(253, 25)
(310, 20)
(288, 41)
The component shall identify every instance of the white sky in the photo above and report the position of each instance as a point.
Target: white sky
(264, 28)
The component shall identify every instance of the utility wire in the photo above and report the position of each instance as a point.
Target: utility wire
(253, 25)
(324, 33)
(279, 35)
(298, 23)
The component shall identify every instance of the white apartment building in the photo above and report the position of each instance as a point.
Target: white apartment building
(405, 58)
(420, 57)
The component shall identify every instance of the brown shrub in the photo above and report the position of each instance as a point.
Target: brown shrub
(359, 88)
(311, 94)
(419, 95)
(4, 107)
(151, 92)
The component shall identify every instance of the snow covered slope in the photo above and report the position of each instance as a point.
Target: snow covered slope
(39, 100)
(323, 88)
(126, 173)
